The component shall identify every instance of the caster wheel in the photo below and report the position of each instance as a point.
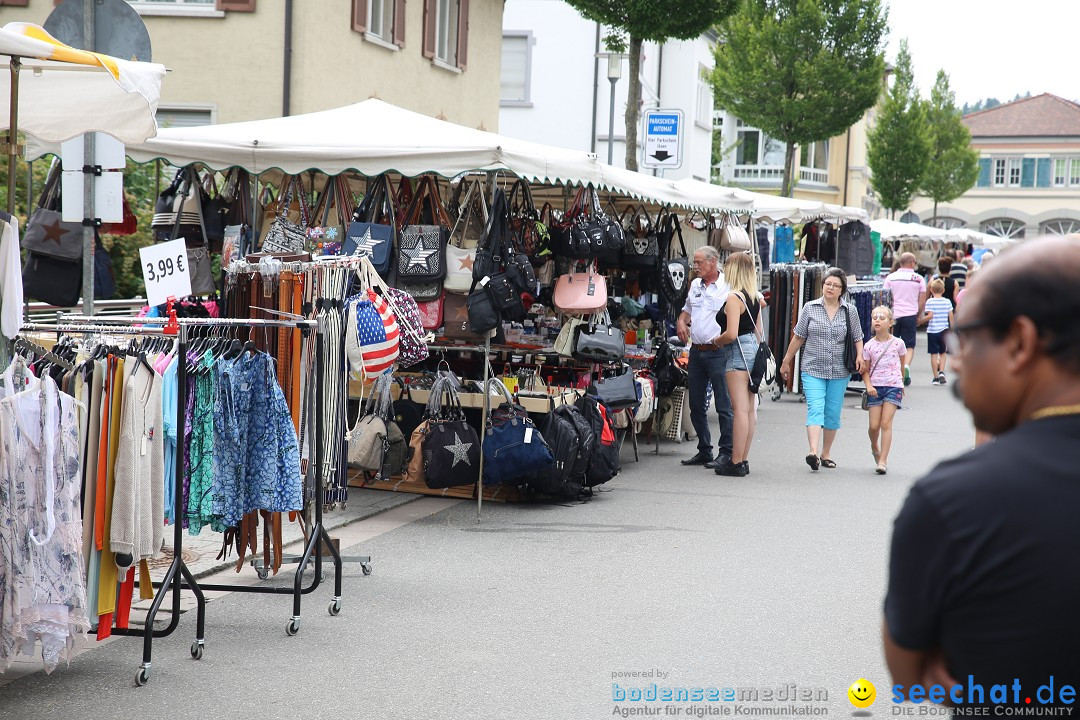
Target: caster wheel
(262, 572)
(196, 650)
(292, 627)
(365, 568)
(335, 607)
(142, 677)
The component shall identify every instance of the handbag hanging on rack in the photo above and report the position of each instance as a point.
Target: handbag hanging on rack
(583, 232)
(599, 341)
(529, 232)
(674, 271)
(421, 254)
(619, 391)
(641, 250)
(460, 259)
(53, 269)
(731, 236)
(367, 437)
(372, 230)
(284, 235)
(581, 292)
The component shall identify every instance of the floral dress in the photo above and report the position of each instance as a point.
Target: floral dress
(42, 587)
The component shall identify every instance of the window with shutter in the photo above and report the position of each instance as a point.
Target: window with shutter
(462, 33)
(430, 21)
(984, 172)
(1042, 173)
(399, 23)
(359, 15)
(1027, 175)
(446, 32)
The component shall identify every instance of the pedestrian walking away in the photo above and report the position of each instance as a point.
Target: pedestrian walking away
(984, 580)
(883, 374)
(939, 311)
(740, 321)
(909, 297)
(708, 361)
(820, 332)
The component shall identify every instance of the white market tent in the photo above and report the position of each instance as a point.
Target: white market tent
(895, 230)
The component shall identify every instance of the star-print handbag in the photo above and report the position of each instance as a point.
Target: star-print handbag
(514, 449)
(451, 446)
(460, 259)
(371, 232)
(421, 252)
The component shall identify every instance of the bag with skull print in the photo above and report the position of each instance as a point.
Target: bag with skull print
(674, 271)
(641, 251)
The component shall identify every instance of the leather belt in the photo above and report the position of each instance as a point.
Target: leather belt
(699, 346)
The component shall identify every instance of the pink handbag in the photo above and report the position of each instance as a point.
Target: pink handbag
(581, 292)
(431, 312)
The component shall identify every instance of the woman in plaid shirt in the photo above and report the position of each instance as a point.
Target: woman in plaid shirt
(819, 333)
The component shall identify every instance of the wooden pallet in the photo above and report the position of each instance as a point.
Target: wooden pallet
(498, 493)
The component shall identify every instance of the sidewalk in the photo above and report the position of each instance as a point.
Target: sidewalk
(199, 553)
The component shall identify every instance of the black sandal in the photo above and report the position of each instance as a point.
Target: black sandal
(812, 461)
(827, 462)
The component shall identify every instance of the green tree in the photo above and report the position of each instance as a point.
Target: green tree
(954, 164)
(633, 22)
(801, 70)
(898, 146)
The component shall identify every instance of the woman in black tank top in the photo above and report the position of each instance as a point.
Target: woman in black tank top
(739, 323)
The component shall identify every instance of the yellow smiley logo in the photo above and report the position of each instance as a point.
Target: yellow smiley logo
(862, 693)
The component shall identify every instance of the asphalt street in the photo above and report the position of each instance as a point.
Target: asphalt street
(685, 578)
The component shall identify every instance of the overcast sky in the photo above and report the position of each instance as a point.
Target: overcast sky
(990, 48)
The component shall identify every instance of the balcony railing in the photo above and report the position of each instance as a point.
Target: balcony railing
(759, 172)
(814, 175)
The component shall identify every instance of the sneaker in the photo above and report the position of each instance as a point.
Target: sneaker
(733, 469)
(936, 381)
(941, 379)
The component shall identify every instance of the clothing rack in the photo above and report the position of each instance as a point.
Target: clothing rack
(179, 575)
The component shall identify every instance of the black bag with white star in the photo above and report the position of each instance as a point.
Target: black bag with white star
(451, 447)
(421, 252)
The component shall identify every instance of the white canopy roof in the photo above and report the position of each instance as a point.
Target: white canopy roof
(64, 92)
(894, 230)
(778, 209)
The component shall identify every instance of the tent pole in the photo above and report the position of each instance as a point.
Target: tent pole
(13, 133)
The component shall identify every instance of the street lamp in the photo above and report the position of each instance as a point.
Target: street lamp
(614, 72)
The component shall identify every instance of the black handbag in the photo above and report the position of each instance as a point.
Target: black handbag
(669, 376)
(674, 271)
(421, 252)
(506, 297)
(495, 243)
(851, 358)
(451, 448)
(641, 250)
(406, 412)
(483, 314)
(598, 342)
(53, 269)
(581, 234)
(618, 392)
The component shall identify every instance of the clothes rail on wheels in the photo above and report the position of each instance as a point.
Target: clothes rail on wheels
(179, 575)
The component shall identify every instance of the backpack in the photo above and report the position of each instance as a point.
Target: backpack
(604, 459)
(565, 476)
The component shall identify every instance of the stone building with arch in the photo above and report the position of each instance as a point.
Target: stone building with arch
(1029, 172)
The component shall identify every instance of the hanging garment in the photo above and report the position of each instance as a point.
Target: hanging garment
(138, 506)
(260, 458)
(42, 588)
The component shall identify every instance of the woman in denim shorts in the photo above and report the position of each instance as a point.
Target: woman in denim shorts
(739, 322)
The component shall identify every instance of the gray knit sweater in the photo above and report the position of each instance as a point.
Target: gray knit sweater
(138, 512)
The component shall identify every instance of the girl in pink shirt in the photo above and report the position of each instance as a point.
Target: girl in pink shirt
(885, 357)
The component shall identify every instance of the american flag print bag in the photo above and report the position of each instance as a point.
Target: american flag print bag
(377, 340)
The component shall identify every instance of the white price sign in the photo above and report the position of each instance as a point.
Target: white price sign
(165, 271)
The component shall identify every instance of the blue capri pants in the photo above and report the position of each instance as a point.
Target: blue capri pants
(824, 400)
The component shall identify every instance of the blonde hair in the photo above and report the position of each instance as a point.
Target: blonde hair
(739, 273)
(937, 285)
(887, 310)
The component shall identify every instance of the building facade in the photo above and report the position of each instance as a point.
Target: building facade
(235, 60)
(831, 171)
(556, 91)
(1029, 171)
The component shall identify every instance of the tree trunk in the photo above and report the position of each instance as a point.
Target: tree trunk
(934, 221)
(633, 104)
(787, 189)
